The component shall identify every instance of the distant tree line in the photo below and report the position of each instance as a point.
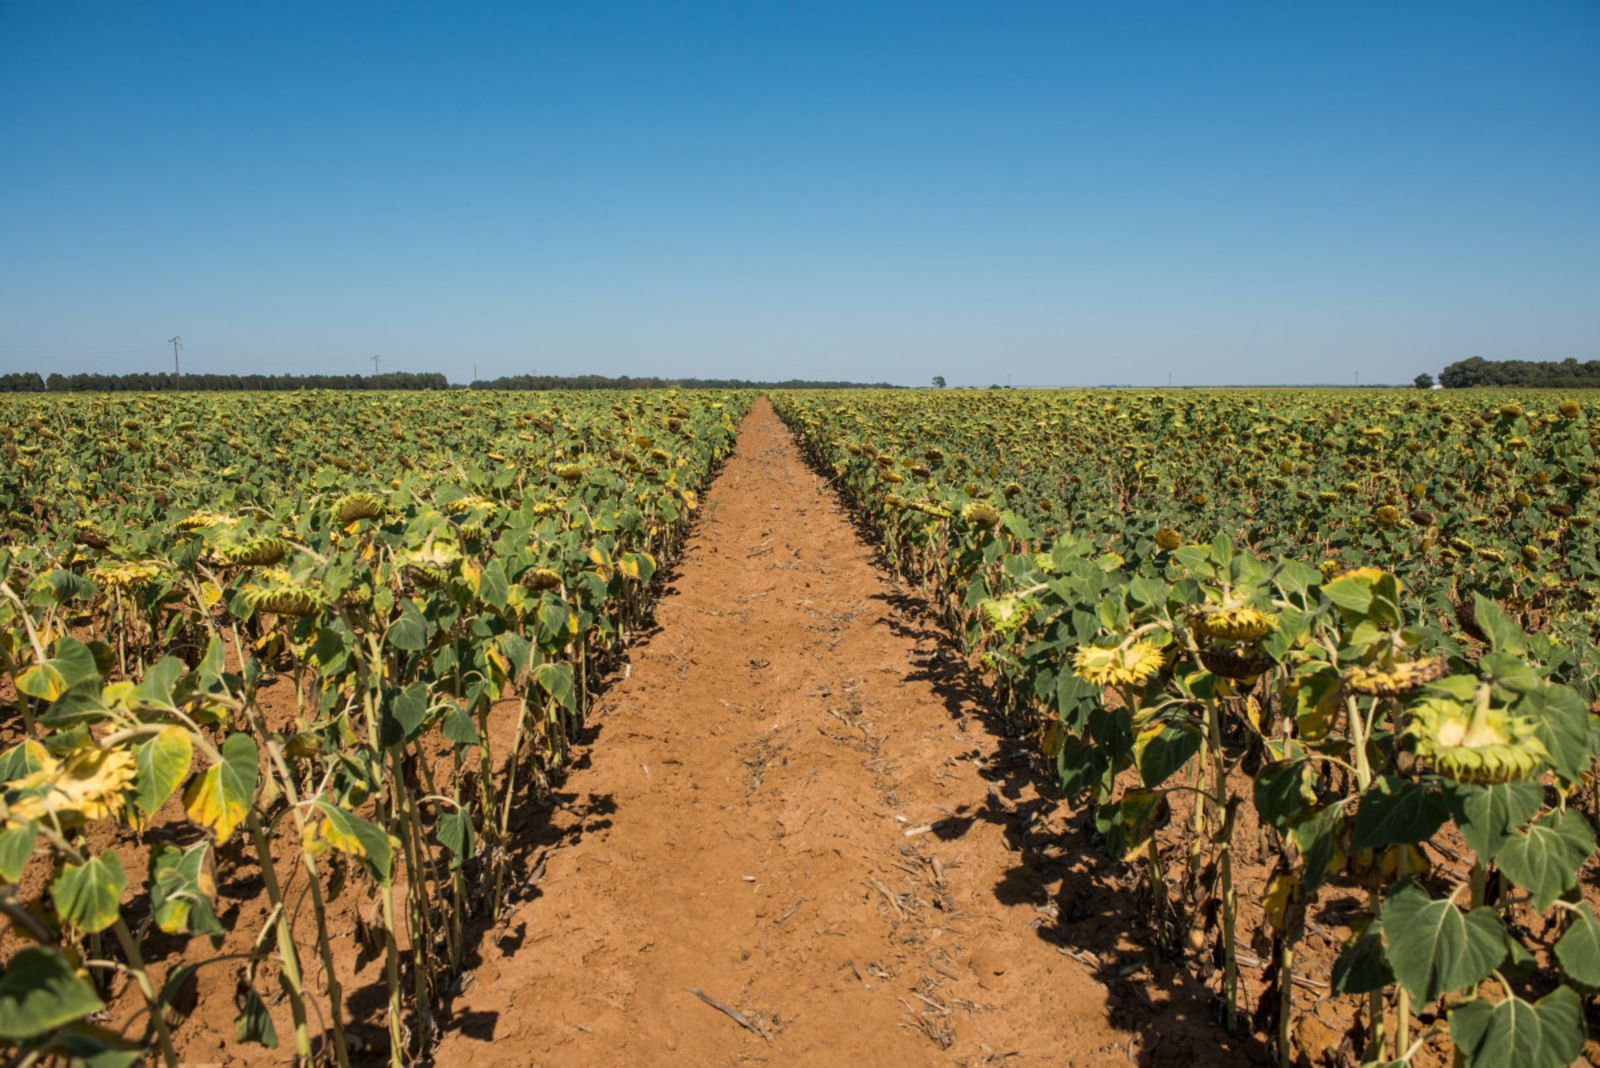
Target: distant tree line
(148, 382)
(32, 382)
(1477, 371)
(627, 382)
(22, 382)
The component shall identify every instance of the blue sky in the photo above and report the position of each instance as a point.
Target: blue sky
(1053, 193)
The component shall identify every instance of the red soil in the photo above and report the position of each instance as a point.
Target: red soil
(753, 823)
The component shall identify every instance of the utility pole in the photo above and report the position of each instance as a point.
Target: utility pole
(1169, 379)
(176, 341)
(375, 361)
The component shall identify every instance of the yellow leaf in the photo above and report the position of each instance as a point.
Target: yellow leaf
(210, 594)
(339, 838)
(1280, 894)
(1054, 738)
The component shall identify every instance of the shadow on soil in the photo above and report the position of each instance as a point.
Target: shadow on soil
(1086, 906)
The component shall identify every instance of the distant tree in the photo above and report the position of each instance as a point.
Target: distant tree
(1423, 381)
(938, 381)
(1477, 371)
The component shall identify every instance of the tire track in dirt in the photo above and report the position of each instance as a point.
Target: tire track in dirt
(753, 823)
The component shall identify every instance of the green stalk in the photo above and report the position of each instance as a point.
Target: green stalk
(314, 885)
(289, 976)
(158, 1019)
(391, 969)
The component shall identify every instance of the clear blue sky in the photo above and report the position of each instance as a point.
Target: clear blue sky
(1058, 193)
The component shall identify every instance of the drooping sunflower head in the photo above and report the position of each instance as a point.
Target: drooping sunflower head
(1005, 615)
(1129, 664)
(1236, 663)
(1476, 743)
(1237, 623)
(430, 565)
(470, 503)
(1168, 539)
(1401, 676)
(276, 592)
(262, 551)
(88, 784)
(206, 520)
(126, 574)
(982, 515)
(539, 579)
(86, 533)
(354, 506)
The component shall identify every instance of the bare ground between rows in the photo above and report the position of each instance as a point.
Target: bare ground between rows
(799, 841)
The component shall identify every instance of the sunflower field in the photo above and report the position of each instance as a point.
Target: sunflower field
(1319, 665)
(318, 646)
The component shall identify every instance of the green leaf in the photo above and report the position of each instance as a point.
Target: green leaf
(1433, 947)
(1510, 671)
(1396, 812)
(1317, 838)
(1283, 791)
(349, 833)
(39, 992)
(1351, 594)
(182, 891)
(89, 895)
(255, 1023)
(459, 728)
(1131, 823)
(21, 760)
(1544, 860)
(96, 1047)
(42, 680)
(72, 666)
(331, 651)
(1579, 949)
(555, 620)
(156, 689)
(1562, 722)
(493, 587)
(16, 846)
(1501, 630)
(409, 709)
(410, 631)
(1488, 815)
(1547, 1033)
(454, 830)
(162, 763)
(1162, 750)
(220, 799)
(555, 679)
(1361, 967)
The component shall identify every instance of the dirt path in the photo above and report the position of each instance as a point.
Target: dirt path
(747, 824)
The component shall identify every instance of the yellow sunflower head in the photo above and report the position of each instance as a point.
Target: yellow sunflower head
(1121, 665)
(88, 784)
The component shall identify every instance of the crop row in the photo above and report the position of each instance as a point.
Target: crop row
(328, 643)
(1351, 631)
